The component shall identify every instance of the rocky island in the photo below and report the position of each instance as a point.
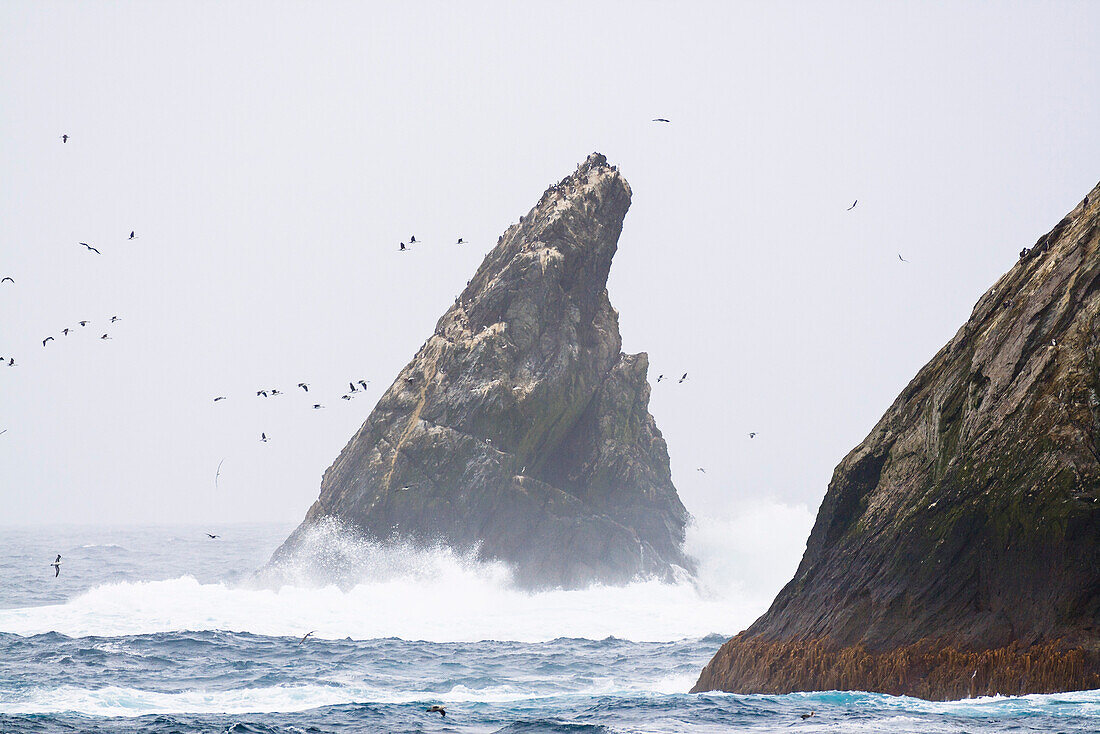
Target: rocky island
(957, 550)
(520, 431)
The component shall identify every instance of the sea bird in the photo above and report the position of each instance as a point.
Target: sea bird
(660, 377)
(305, 637)
(403, 248)
(853, 206)
(460, 241)
(345, 397)
(7, 278)
(114, 319)
(217, 474)
(304, 386)
(57, 566)
(752, 434)
(275, 391)
(902, 258)
(83, 323)
(436, 709)
(104, 337)
(702, 470)
(263, 437)
(807, 716)
(220, 397)
(352, 386)
(132, 235)
(91, 248)
(47, 339)
(11, 361)
(262, 393)
(660, 119)
(363, 383)
(317, 406)
(412, 240)
(65, 332)
(212, 536)
(64, 138)
(682, 378)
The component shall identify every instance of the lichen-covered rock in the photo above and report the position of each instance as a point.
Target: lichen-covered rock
(520, 430)
(957, 550)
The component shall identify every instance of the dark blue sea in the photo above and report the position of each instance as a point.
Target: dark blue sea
(162, 629)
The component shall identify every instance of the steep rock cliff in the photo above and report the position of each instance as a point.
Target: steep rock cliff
(520, 430)
(957, 550)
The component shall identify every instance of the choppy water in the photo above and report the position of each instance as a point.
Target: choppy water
(165, 630)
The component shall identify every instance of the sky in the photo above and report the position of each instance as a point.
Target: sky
(270, 156)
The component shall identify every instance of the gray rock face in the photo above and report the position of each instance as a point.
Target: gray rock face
(520, 430)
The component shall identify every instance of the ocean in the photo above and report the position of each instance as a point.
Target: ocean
(163, 629)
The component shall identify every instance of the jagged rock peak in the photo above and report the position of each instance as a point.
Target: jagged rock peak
(520, 431)
(957, 549)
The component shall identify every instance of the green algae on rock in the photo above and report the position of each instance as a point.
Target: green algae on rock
(520, 431)
(957, 550)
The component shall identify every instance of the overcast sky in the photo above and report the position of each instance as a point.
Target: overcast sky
(271, 155)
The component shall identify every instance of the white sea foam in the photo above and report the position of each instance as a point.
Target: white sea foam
(441, 596)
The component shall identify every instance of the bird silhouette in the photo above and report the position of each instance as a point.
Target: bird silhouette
(220, 397)
(57, 566)
(685, 376)
(902, 258)
(304, 386)
(853, 206)
(47, 339)
(7, 278)
(345, 397)
(403, 248)
(263, 437)
(702, 470)
(64, 332)
(460, 241)
(114, 319)
(752, 435)
(212, 537)
(104, 337)
(83, 323)
(305, 637)
(317, 406)
(91, 248)
(64, 138)
(275, 392)
(352, 386)
(412, 240)
(132, 235)
(261, 393)
(11, 361)
(363, 383)
(660, 377)
(660, 119)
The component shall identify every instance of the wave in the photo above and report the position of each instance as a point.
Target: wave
(112, 701)
(377, 591)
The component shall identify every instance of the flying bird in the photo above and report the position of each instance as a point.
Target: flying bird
(304, 386)
(47, 339)
(437, 709)
(114, 319)
(660, 119)
(57, 566)
(261, 393)
(460, 241)
(403, 248)
(345, 397)
(91, 248)
(902, 258)
(104, 337)
(217, 474)
(317, 406)
(220, 397)
(702, 470)
(7, 278)
(64, 138)
(212, 537)
(274, 392)
(685, 376)
(807, 716)
(132, 235)
(752, 435)
(65, 332)
(83, 323)
(305, 637)
(11, 361)
(352, 386)
(263, 437)
(853, 206)
(660, 377)
(412, 240)
(363, 383)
